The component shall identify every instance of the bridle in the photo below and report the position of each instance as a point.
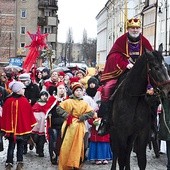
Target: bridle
(157, 84)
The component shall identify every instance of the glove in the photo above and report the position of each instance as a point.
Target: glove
(82, 118)
(97, 121)
(129, 66)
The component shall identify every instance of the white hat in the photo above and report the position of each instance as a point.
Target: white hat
(24, 77)
(16, 86)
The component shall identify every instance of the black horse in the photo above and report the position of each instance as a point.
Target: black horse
(131, 115)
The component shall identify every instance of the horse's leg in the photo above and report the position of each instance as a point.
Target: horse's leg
(122, 157)
(128, 151)
(122, 152)
(114, 151)
(114, 162)
(119, 151)
(142, 141)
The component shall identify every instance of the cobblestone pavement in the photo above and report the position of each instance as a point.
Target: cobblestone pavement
(33, 162)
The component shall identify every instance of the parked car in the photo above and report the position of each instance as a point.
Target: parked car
(80, 65)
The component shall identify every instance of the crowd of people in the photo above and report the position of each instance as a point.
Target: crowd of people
(62, 108)
(54, 107)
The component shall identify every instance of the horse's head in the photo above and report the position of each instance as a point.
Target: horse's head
(158, 73)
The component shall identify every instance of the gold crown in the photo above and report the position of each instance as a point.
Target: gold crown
(134, 22)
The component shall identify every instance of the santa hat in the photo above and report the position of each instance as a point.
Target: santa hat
(75, 86)
(61, 73)
(16, 86)
(74, 80)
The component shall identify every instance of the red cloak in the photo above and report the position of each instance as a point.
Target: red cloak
(118, 57)
(17, 116)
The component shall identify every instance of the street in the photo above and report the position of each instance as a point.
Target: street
(33, 162)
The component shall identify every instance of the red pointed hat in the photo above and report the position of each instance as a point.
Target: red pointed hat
(74, 80)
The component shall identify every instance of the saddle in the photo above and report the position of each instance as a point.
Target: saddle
(121, 78)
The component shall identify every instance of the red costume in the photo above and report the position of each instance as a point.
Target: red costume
(118, 57)
(17, 116)
(124, 53)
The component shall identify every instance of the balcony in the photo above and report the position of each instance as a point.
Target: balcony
(51, 38)
(42, 21)
(48, 4)
(52, 21)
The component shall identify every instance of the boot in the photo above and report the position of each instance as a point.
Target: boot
(35, 140)
(53, 145)
(104, 112)
(20, 166)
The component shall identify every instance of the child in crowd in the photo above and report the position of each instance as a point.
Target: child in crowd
(93, 85)
(40, 109)
(55, 122)
(99, 146)
(75, 110)
(95, 107)
(17, 122)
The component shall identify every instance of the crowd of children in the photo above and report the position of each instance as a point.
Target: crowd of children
(55, 107)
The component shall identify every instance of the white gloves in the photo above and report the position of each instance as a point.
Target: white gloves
(129, 66)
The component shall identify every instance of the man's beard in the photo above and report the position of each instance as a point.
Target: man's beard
(134, 35)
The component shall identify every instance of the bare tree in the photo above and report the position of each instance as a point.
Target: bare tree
(89, 49)
(69, 46)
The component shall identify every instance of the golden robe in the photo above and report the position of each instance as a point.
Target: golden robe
(72, 149)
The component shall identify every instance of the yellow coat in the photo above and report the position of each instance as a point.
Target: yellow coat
(72, 149)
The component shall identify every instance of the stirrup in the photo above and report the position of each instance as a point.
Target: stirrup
(103, 129)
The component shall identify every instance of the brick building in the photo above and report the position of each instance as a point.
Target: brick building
(7, 30)
(19, 16)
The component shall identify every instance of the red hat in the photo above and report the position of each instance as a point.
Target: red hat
(74, 80)
(60, 83)
(61, 73)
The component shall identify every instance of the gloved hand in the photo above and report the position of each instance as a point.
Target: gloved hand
(97, 121)
(129, 66)
(82, 118)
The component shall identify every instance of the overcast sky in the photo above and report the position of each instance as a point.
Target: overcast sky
(78, 15)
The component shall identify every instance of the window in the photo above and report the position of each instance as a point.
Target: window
(23, 13)
(47, 30)
(23, 30)
(22, 45)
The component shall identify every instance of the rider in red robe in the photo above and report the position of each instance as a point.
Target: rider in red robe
(121, 57)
